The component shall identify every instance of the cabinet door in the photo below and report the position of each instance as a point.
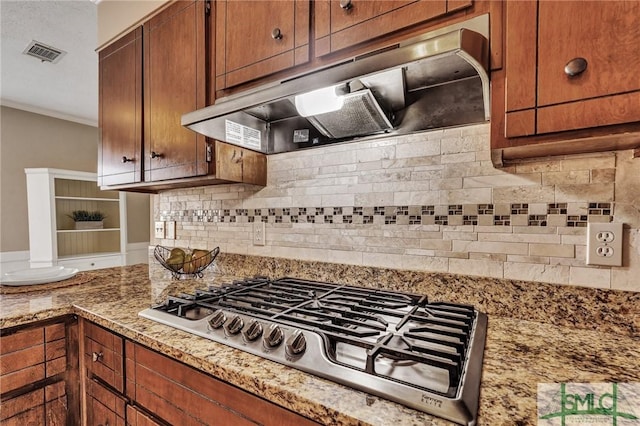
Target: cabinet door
(605, 33)
(236, 164)
(258, 38)
(103, 406)
(38, 375)
(120, 111)
(174, 84)
(180, 395)
(607, 92)
(345, 23)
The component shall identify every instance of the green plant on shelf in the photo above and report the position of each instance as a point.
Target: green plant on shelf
(87, 216)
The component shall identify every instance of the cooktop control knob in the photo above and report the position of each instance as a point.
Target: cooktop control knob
(296, 343)
(217, 319)
(274, 336)
(235, 325)
(253, 331)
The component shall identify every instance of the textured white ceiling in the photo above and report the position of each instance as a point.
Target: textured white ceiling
(67, 89)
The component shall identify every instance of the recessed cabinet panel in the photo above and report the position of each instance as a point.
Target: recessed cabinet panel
(120, 111)
(258, 38)
(605, 34)
(343, 24)
(174, 84)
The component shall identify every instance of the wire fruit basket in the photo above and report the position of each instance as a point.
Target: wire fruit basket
(185, 263)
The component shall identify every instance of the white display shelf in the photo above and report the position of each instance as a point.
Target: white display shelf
(53, 194)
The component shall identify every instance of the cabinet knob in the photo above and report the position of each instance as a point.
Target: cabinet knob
(156, 155)
(96, 356)
(346, 4)
(127, 160)
(276, 34)
(575, 67)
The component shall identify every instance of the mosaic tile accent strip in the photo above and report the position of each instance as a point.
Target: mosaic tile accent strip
(558, 214)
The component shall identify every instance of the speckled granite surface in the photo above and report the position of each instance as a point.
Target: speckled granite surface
(519, 353)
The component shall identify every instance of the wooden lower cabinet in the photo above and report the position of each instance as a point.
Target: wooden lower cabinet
(125, 383)
(135, 417)
(39, 375)
(104, 407)
(179, 394)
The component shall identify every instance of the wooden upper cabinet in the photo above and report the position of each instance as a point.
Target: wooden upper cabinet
(120, 111)
(174, 84)
(258, 38)
(236, 164)
(604, 33)
(543, 38)
(344, 23)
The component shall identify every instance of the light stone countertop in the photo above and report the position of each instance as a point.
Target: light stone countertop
(519, 353)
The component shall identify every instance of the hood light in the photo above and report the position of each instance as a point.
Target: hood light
(319, 101)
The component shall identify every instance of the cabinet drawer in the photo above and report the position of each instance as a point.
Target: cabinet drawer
(90, 263)
(30, 355)
(339, 25)
(104, 407)
(103, 356)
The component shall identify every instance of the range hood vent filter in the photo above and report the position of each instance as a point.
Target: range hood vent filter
(360, 115)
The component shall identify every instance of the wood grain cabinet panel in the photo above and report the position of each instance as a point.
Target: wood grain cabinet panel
(174, 84)
(135, 417)
(258, 38)
(339, 25)
(120, 111)
(551, 100)
(103, 356)
(104, 406)
(179, 394)
(38, 375)
(236, 164)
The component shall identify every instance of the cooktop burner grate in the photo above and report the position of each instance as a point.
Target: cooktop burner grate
(365, 337)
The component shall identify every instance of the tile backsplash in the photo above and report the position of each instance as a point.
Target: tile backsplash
(431, 201)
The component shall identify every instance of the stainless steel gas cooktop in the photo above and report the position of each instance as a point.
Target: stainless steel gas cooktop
(399, 346)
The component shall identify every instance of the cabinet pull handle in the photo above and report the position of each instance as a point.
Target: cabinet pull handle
(276, 34)
(96, 356)
(575, 67)
(127, 160)
(346, 4)
(156, 155)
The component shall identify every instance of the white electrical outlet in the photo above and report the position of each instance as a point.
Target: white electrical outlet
(258, 233)
(159, 229)
(604, 244)
(171, 229)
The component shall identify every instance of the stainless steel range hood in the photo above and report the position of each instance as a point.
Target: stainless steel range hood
(433, 81)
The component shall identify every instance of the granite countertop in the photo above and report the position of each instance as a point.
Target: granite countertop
(519, 353)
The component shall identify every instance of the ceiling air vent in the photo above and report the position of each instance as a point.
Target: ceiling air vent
(44, 52)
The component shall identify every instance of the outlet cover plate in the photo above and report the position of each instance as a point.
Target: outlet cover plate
(604, 244)
(170, 229)
(159, 229)
(258, 233)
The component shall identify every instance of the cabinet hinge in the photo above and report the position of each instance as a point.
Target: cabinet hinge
(207, 8)
(209, 155)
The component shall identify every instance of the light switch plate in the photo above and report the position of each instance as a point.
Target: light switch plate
(170, 230)
(159, 229)
(604, 244)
